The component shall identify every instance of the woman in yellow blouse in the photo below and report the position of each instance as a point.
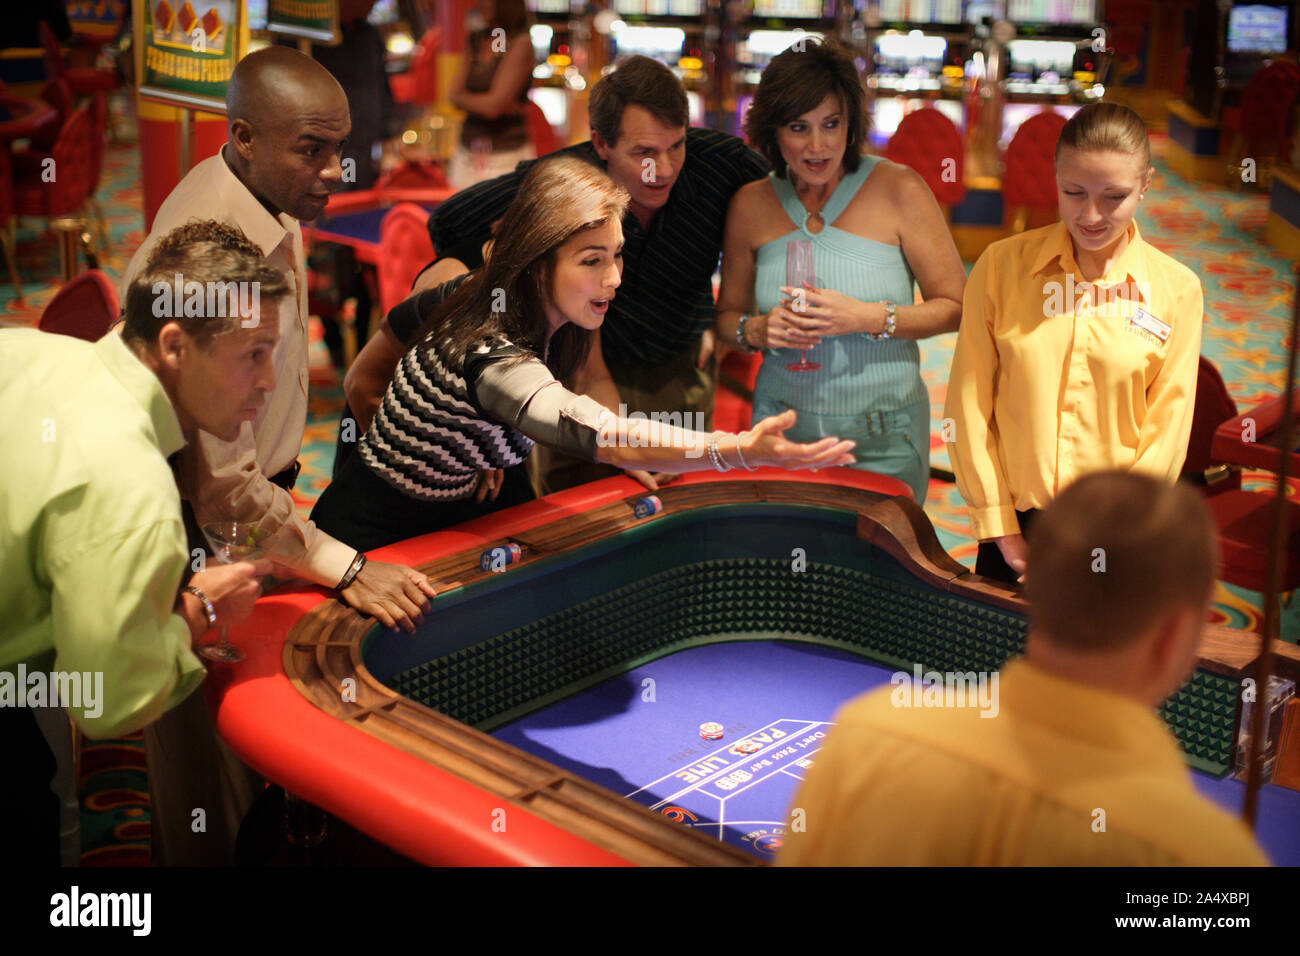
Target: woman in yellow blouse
(1078, 345)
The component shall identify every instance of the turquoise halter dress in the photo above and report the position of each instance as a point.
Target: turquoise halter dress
(867, 390)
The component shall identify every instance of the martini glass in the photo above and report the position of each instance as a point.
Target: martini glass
(231, 542)
(798, 270)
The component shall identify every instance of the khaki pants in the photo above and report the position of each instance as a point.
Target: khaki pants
(191, 768)
(675, 386)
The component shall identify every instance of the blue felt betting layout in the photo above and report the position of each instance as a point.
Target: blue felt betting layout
(638, 735)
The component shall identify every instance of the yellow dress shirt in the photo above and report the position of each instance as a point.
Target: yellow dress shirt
(1064, 775)
(91, 544)
(1054, 377)
(228, 480)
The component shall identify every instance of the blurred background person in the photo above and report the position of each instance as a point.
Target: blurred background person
(492, 89)
(358, 64)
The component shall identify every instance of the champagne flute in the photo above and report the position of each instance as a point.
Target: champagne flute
(231, 542)
(798, 270)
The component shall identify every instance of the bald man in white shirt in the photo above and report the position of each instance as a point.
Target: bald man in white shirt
(289, 123)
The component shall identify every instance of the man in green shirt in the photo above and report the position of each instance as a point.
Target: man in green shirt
(92, 548)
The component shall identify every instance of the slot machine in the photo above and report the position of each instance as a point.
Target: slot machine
(770, 28)
(918, 52)
(1055, 60)
(1253, 34)
(681, 34)
(1230, 43)
(401, 25)
(561, 34)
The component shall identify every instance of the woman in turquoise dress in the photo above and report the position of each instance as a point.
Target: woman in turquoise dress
(875, 228)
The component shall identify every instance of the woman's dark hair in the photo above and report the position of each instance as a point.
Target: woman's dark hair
(508, 296)
(641, 81)
(795, 82)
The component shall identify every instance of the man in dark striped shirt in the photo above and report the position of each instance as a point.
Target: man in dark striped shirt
(652, 353)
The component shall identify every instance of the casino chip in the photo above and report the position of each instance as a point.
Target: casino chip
(748, 747)
(711, 730)
(645, 507)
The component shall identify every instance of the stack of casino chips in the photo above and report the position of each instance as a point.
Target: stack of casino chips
(711, 730)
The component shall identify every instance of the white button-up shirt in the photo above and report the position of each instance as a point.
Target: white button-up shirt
(228, 480)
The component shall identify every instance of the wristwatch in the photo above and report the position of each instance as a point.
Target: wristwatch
(891, 322)
(354, 569)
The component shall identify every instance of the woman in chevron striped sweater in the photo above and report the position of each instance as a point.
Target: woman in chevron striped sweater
(483, 384)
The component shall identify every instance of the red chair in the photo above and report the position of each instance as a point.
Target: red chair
(405, 248)
(419, 84)
(1127, 24)
(58, 192)
(929, 143)
(1243, 519)
(540, 131)
(1029, 168)
(9, 239)
(84, 308)
(1214, 406)
(83, 80)
(59, 95)
(1260, 126)
(1245, 523)
(99, 123)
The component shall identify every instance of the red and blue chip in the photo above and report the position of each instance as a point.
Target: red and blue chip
(500, 556)
(647, 506)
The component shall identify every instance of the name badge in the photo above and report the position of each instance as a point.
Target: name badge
(1149, 323)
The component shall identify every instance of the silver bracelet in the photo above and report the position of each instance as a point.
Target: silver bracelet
(740, 334)
(891, 322)
(208, 609)
(742, 457)
(715, 456)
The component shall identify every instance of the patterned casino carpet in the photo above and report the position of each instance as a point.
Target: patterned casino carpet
(1216, 232)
